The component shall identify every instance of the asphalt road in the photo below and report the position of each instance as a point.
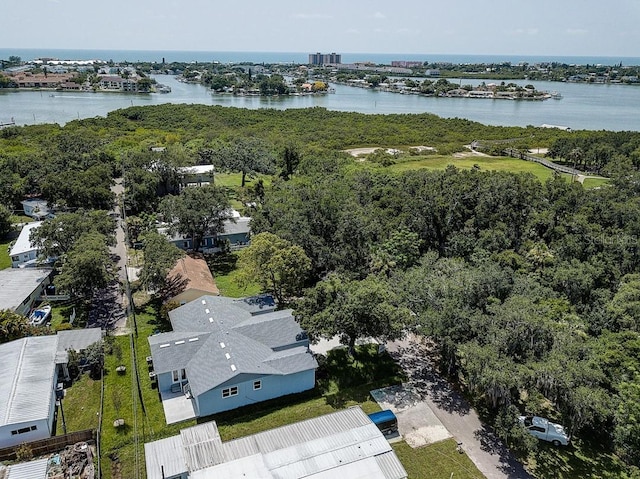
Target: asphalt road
(108, 306)
(487, 452)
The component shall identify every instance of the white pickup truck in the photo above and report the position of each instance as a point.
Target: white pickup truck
(545, 430)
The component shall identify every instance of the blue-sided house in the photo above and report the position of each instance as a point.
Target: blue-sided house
(236, 234)
(224, 353)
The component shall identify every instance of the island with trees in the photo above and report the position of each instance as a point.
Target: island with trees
(524, 283)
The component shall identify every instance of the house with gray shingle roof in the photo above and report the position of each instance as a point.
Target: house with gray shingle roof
(224, 353)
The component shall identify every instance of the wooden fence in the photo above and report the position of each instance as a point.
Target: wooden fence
(49, 445)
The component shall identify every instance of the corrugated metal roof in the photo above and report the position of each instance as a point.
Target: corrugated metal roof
(248, 467)
(29, 470)
(17, 284)
(27, 377)
(344, 444)
(201, 445)
(391, 466)
(78, 339)
(164, 454)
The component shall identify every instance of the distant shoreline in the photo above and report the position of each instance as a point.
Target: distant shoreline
(301, 57)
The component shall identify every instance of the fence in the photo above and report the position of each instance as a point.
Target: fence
(554, 166)
(49, 445)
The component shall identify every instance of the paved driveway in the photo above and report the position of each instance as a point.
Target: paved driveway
(487, 452)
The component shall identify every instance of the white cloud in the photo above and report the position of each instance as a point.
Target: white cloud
(310, 16)
(577, 31)
(379, 15)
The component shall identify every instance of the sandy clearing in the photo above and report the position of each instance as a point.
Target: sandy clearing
(366, 151)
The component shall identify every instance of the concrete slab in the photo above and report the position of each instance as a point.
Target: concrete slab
(323, 346)
(417, 423)
(177, 407)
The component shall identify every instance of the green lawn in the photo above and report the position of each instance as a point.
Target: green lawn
(484, 163)
(5, 259)
(223, 268)
(595, 182)
(436, 461)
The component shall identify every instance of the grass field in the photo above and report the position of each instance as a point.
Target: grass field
(5, 259)
(223, 268)
(484, 163)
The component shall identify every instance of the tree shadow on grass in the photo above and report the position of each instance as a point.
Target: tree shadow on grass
(222, 263)
(341, 371)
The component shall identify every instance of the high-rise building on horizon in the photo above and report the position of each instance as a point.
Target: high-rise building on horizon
(324, 58)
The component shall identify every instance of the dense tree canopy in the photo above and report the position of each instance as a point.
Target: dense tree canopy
(196, 212)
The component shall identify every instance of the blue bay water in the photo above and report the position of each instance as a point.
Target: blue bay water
(584, 106)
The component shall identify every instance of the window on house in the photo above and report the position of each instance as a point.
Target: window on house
(175, 376)
(24, 430)
(228, 392)
(257, 385)
(183, 374)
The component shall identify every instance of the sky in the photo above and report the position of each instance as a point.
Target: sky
(492, 27)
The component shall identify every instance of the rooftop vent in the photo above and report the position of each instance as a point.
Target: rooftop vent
(227, 355)
(193, 339)
(222, 345)
(204, 302)
(180, 342)
(233, 367)
(207, 311)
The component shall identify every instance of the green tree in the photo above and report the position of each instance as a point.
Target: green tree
(278, 265)
(197, 212)
(13, 326)
(5, 221)
(337, 306)
(86, 266)
(57, 236)
(248, 156)
(159, 257)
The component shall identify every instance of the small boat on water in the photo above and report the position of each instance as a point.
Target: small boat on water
(40, 316)
(556, 95)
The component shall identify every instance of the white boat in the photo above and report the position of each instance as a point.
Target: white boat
(40, 316)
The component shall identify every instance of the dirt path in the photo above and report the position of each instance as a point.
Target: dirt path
(487, 452)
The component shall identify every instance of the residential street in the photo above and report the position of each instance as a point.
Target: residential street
(488, 453)
(108, 309)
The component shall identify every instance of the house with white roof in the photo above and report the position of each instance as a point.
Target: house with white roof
(24, 253)
(31, 368)
(344, 444)
(27, 396)
(224, 353)
(22, 288)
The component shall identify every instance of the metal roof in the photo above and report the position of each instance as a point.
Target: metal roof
(27, 376)
(28, 470)
(17, 284)
(201, 446)
(344, 444)
(78, 339)
(165, 455)
(23, 243)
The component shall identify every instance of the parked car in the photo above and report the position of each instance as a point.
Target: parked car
(544, 429)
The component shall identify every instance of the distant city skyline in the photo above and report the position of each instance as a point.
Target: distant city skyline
(501, 27)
